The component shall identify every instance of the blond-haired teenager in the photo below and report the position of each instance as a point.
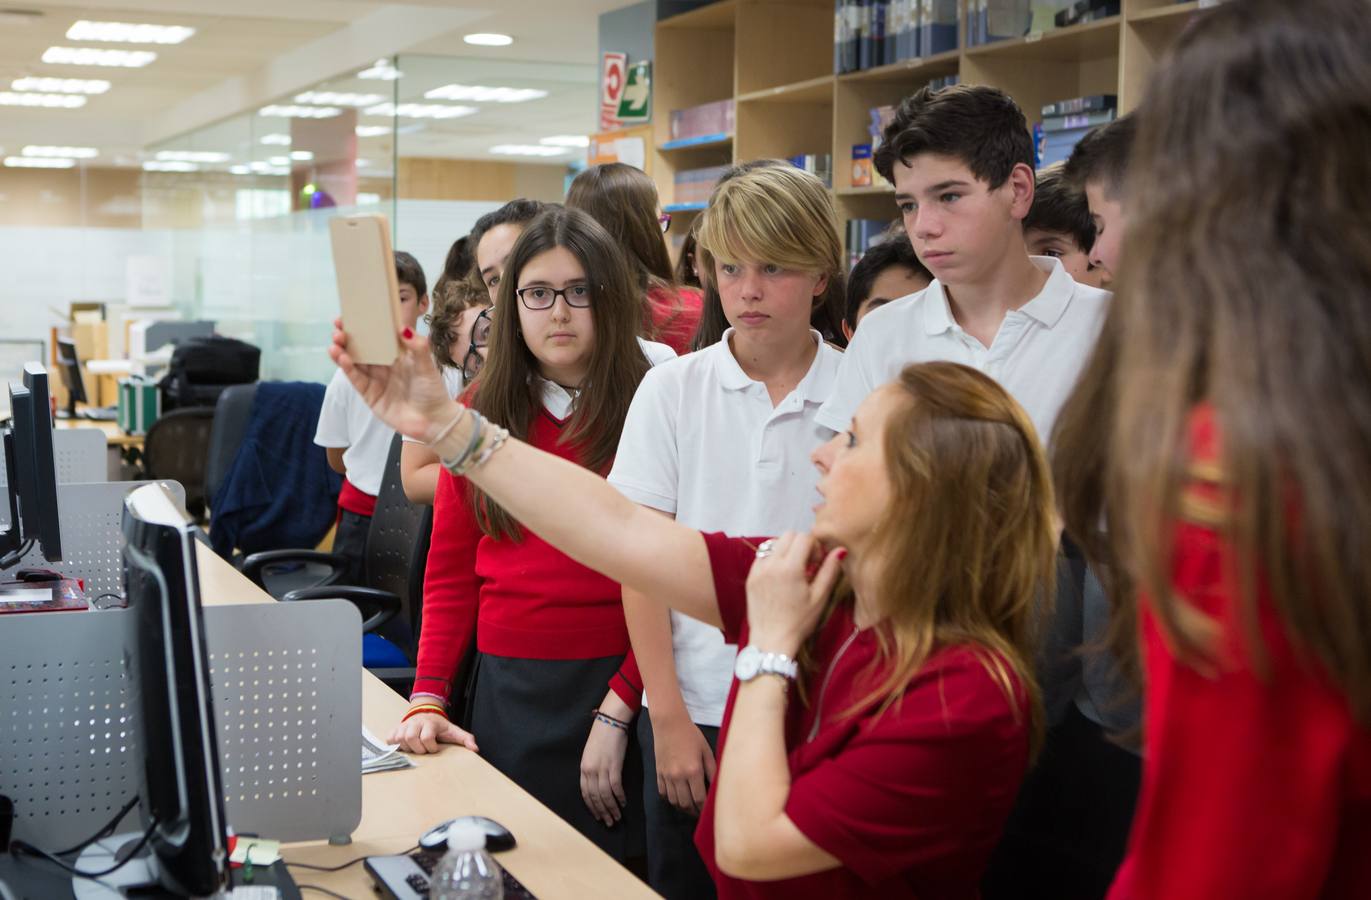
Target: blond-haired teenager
(720, 439)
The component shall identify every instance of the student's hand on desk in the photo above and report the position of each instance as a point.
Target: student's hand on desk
(424, 732)
(408, 395)
(685, 762)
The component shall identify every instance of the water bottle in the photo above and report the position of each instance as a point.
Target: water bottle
(466, 871)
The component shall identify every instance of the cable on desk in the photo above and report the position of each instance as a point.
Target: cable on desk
(314, 887)
(339, 868)
(103, 832)
(29, 850)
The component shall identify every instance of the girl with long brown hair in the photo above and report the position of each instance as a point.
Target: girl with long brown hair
(891, 767)
(1224, 486)
(624, 200)
(564, 361)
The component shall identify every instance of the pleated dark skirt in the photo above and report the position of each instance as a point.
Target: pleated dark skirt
(531, 718)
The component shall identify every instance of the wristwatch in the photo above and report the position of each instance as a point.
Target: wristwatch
(752, 662)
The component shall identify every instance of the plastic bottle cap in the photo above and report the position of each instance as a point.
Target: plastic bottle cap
(466, 836)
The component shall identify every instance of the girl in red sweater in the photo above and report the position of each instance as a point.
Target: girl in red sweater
(624, 200)
(1227, 440)
(562, 367)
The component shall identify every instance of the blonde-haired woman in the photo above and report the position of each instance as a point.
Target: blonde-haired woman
(890, 769)
(719, 439)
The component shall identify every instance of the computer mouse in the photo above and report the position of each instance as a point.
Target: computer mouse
(497, 836)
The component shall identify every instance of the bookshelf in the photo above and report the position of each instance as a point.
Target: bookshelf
(774, 59)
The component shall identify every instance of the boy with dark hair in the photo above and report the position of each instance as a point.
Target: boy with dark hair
(357, 442)
(1059, 225)
(887, 271)
(1097, 167)
(961, 160)
(503, 226)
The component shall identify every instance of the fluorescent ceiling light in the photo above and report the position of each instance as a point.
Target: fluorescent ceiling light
(300, 112)
(170, 166)
(366, 131)
(362, 163)
(38, 162)
(382, 70)
(279, 160)
(239, 170)
(281, 140)
(336, 98)
(301, 155)
(127, 33)
(527, 150)
(49, 101)
(205, 156)
(421, 110)
(566, 140)
(61, 85)
(482, 39)
(67, 152)
(479, 94)
(94, 56)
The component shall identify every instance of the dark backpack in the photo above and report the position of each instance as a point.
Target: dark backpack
(202, 367)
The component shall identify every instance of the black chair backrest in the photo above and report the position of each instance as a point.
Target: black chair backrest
(392, 542)
(177, 447)
(231, 414)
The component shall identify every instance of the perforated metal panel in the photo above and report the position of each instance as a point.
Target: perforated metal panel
(92, 539)
(287, 700)
(79, 455)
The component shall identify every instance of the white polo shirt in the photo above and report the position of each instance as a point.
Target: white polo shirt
(1037, 354)
(703, 442)
(345, 420)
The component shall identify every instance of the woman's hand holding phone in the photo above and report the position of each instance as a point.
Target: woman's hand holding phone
(408, 395)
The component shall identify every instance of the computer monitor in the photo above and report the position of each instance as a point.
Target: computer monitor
(69, 367)
(31, 472)
(168, 666)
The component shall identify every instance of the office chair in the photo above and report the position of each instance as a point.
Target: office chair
(231, 413)
(177, 447)
(391, 599)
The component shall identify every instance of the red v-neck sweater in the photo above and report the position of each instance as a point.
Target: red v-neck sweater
(521, 599)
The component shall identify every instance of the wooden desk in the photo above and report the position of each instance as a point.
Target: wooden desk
(553, 860)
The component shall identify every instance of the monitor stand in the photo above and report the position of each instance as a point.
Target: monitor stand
(139, 876)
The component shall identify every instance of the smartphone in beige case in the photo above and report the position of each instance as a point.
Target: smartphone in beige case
(367, 287)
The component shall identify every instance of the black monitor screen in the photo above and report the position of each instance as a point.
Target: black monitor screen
(49, 528)
(169, 667)
(31, 471)
(69, 367)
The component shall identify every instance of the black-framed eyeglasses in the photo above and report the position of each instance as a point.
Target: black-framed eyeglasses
(480, 339)
(664, 219)
(543, 297)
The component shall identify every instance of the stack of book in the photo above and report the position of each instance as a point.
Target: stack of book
(820, 164)
(862, 234)
(1065, 122)
(709, 121)
(692, 187)
(997, 20)
(870, 33)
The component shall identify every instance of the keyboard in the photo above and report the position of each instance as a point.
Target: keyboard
(406, 877)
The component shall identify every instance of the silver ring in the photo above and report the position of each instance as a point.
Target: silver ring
(764, 549)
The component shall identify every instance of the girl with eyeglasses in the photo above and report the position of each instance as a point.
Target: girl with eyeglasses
(624, 200)
(564, 361)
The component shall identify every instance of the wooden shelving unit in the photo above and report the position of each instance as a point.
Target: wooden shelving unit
(774, 58)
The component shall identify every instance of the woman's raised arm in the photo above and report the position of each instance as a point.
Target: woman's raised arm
(572, 509)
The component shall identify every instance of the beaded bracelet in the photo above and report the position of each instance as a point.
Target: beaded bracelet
(427, 708)
(455, 465)
(496, 442)
(607, 719)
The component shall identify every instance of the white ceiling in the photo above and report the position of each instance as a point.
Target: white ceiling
(249, 53)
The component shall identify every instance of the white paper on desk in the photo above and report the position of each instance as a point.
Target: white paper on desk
(381, 757)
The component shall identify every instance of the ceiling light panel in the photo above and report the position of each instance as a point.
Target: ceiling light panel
(383, 70)
(475, 93)
(484, 39)
(38, 162)
(61, 85)
(67, 152)
(205, 156)
(566, 140)
(421, 110)
(299, 112)
(336, 98)
(367, 131)
(128, 33)
(301, 155)
(169, 166)
(276, 140)
(526, 150)
(94, 56)
(47, 101)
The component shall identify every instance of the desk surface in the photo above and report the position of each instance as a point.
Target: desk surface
(113, 435)
(553, 859)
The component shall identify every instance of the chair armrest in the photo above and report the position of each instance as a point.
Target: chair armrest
(255, 563)
(377, 607)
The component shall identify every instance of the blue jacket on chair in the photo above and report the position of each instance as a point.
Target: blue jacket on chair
(280, 491)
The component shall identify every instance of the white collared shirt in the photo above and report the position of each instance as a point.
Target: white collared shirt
(704, 443)
(1037, 354)
(345, 420)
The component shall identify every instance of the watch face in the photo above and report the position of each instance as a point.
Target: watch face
(748, 664)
